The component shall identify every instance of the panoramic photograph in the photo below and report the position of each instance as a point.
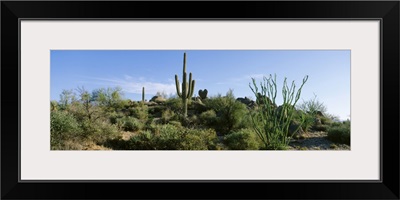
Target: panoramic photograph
(259, 100)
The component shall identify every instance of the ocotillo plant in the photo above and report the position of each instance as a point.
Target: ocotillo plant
(270, 126)
(142, 94)
(187, 87)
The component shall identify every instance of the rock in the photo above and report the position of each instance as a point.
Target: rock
(319, 114)
(317, 121)
(279, 111)
(158, 99)
(150, 103)
(261, 100)
(295, 129)
(199, 107)
(248, 102)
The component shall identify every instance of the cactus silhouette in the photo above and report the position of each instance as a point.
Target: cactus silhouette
(187, 87)
(203, 93)
(142, 94)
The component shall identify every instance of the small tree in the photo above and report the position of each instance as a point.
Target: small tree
(66, 98)
(270, 124)
(110, 98)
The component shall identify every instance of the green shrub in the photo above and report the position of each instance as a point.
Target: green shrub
(156, 111)
(63, 122)
(326, 120)
(308, 121)
(144, 140)
(176, 123)
(69, 134)
(63, 126)
(175, 104)
(174, 138)
(312, 106)
(167, 116)
(190, 121)
(140, 112)
(200, 139)
(104, 131)
(114, 117)
(229, 112)
(208, 118)
(170, 137)
(340, 133)
(243, 139)
(132, 124)
(246, 121)
(320, 127)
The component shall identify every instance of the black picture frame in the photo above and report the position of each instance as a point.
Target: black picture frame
(386, 11)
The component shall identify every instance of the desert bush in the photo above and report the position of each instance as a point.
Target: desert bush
(200, 139)
(191, 121)
(63, 126)
(307, 120)
(175, 104)
(173, 138)
(167, 115)
(114, 117)
(326, 120)
(271, 126)
(98, 130)
(312, 106)
(246, 121)
(320, 127)
(340, 133)
(104, 131)
(229, 112)
(332, 117)
(176, 123)
(156, 111)
(69, 134)
(139, 112)
(144, 140)
(208, 118)
(170, 137)
(243, 139)
(132, 124)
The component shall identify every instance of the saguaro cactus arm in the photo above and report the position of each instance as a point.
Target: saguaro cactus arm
(191, 86)
(178, 87)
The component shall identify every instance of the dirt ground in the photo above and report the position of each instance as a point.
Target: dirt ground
(316, 141)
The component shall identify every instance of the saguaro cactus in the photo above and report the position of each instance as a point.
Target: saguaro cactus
(142, 94)
(187, 87)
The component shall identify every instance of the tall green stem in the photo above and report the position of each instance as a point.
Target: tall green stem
(187, 87)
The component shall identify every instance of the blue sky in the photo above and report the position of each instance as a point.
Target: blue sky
(214, 70)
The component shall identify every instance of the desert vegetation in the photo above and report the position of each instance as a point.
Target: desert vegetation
(103, 119)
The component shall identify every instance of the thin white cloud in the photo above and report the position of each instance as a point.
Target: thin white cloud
(127, 77)
(256, 76)
(134, 86)
(242, 78)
